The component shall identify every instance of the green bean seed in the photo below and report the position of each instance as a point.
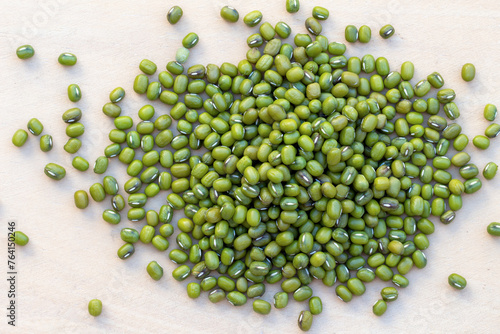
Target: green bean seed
(117, 95)
(111, 216)
(111, 110)
(494, 229)
(19, 138)
(386, 31)
(320, 13)
(193, 290)
(97, 192)
(46, 143)
(435, 79)
(313, 26)
(54, 171)
(174, 14)
(81, 199)
(20, 238)
(490, 112)
(365, 34)
(236, 298)
(147, 66)
(280, 300)
(490, 170)
(125, 251)
(229, 14)
(292, 6)
(315, 305)
(261, 306)
(35, 126)
(389, 294)
(253, 18)
(72, 115)
(305, 320)
(190, 40)
(481, 142)
(141, 83)
(154, 270)
(95, 307)
(468, 72)
(67, 59)
(457, 281)
(74, 93)
(379, 307)
(25, 52)
(72, 145)
(351, 33)
(74, 130)
(101, 165)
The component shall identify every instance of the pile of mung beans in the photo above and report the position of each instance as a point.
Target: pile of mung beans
(300, 164)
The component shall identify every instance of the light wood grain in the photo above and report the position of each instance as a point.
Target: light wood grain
(71, 257)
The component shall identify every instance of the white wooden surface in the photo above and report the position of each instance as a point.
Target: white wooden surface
(71, 257)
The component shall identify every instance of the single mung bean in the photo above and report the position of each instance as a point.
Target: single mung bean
(320, 13)
(141, 83)
(190, 40)
(74, 130)
(125, 251)
(365, 34)
(117, 95)
(386, 31)
(72, 115)
(46, 143)
(154, 270)
(35, 126)
(481, 142)
(261, 306)
(25, 51)
(174, 14)
(292, 6)
(97, 192)
(305, 320)
(72, 145)
(490, 112)
(389, 294)
(74, 93)
(229, 14)
(351, 33)
(54, 171)
(468, 72)
(236, 298)
(67, 59)
(19, 137)
(81, 199)
(111, 216)
(490, 170)
(101, 165)
(457, 281)
(253, 18)
(315, 305)
(435, 79)
(492, 130)
(95, 307)
(147, 66)
(494, 229)
(160, 243)
(111, 109)
(379, 307)
(20, 238)
(313, 26)
(129, 235)
(280, 300)
(193, 290)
